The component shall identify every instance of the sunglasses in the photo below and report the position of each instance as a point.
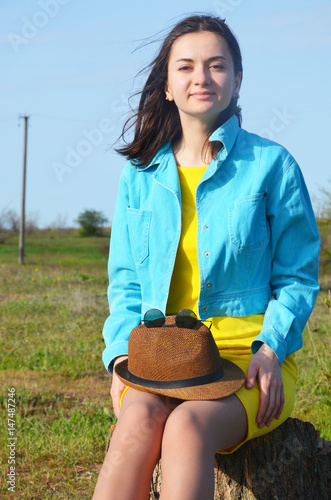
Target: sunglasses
(154, 318)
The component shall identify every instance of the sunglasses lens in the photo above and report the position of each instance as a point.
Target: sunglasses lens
(154, 318)
(186, 319)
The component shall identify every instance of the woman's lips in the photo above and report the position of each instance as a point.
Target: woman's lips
(202, 95)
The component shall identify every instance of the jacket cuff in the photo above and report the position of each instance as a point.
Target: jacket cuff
(273, 340)
(110, 353)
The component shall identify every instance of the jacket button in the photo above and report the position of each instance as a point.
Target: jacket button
(205, 308)
(208, 285)
(206, 254)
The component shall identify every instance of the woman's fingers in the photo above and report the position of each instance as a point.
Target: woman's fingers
(264, 403)
(269, 400)
(268, 372)
(252, 372)
(282, 402)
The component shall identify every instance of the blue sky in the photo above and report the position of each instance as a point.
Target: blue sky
(71, 67)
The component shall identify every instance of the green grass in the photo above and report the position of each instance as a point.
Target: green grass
(52, 310)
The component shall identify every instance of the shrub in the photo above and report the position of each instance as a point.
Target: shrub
(91, 222)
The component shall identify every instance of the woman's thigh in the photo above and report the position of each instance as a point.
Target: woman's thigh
(137, 437)
(217, 424)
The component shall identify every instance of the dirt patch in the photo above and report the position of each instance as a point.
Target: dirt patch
(88, 387)
(11, 296)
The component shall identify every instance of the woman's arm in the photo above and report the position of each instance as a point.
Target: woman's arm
(294, 287)
(295, 256)
(124, 292)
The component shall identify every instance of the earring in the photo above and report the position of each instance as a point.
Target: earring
(237, 96)
(167, 98)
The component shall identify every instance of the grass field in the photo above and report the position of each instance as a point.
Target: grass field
(52, 312)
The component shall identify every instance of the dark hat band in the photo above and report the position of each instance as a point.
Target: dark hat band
(175, 384)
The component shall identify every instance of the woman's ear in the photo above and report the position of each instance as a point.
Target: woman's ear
(167, 92)
(237, 82)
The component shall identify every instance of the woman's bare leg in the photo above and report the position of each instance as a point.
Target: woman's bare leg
(134, 448)
(193, 433)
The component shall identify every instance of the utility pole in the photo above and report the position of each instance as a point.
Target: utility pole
(22, 221)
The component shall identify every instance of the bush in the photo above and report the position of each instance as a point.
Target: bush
(9, 224)
(91, 222)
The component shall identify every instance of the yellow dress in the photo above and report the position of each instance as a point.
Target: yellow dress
(233, 336)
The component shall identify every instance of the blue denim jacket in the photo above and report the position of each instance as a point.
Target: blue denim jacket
(257, 241)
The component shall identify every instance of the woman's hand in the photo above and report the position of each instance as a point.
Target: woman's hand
(264, 366)
(117, 387)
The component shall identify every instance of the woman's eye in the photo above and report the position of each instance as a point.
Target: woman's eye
(214, 66)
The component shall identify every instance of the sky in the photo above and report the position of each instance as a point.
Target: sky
(71, 67)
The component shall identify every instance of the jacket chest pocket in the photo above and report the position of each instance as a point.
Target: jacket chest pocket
(247, 222)
(139, 222)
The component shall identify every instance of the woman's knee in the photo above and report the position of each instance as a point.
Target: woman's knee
(145, 414)
(183, 427)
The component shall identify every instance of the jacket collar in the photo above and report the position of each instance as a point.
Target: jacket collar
(162, 154)
(226, 134)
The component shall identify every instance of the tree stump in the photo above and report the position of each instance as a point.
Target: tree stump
(291, 463)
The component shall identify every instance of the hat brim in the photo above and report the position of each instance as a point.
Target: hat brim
(232, 380)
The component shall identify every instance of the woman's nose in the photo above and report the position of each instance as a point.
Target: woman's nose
(201, 76)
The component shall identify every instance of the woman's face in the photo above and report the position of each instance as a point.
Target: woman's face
(201, 78)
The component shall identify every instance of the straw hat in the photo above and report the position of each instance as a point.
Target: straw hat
(178, 362)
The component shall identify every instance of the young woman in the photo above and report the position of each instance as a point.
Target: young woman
(215, 219)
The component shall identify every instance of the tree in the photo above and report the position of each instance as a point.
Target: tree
(322, 203)
(32, 222)
(9, 224)
(13, 221)
(91, 222)
(60, 222)
(292, 462)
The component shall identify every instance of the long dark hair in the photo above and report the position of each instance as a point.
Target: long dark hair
(156, 120)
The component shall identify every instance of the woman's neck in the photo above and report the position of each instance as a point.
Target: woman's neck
(188, 150)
